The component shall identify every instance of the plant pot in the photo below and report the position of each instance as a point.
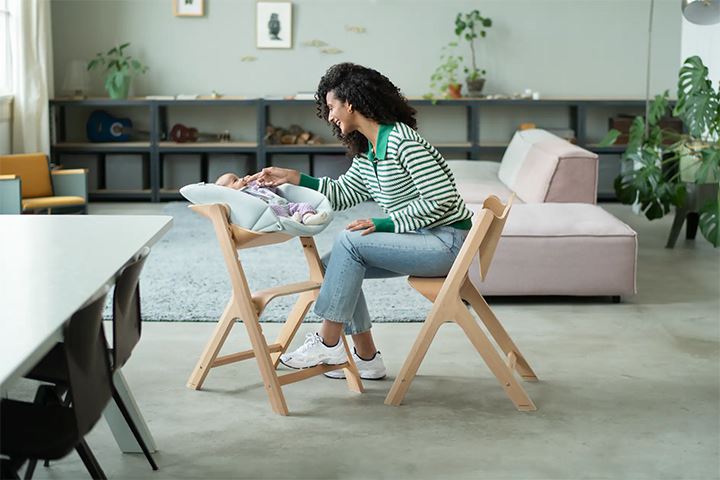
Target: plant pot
(118, 89)
(454, 90)
(475, 87)
(690, 164)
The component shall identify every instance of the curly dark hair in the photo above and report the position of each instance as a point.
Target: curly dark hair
(370, 93)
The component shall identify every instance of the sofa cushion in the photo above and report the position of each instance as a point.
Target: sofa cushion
(476, 180)
(561, 249)
(541, 167)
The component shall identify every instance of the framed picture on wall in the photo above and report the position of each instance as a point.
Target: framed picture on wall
(273, 24)
(188, 8)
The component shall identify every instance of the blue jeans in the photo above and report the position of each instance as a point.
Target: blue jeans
(354, 257)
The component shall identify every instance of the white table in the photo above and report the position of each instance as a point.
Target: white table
(49, 267)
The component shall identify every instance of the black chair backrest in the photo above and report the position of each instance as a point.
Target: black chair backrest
(126, 310)
(88, 364)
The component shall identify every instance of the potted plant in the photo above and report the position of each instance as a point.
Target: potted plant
(119, 70)
(469, 26)
(655, 172)
(445, 78)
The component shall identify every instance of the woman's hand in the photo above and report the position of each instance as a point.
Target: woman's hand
(274, 176)
(365, 224)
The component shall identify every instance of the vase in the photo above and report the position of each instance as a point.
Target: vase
(119, 91)
(475, 87)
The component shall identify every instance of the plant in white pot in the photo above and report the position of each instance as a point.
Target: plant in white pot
(120, 69)
(469, 26)
(659, 164)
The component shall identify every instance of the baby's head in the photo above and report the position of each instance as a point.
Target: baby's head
(230, 180)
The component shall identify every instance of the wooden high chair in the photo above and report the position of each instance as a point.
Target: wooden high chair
(249, 306)
(447, 295)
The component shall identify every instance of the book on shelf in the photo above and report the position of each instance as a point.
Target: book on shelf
(304, 96)
(159, 97)
(186, 96)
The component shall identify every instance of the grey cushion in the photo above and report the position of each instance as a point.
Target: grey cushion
(254, 214)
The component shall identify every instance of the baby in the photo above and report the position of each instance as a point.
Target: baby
(300, 212)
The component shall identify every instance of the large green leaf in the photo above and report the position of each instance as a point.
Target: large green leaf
(698, 105)
(708, 222)
(658, 108)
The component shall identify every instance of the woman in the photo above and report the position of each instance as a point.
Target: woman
(394, 166)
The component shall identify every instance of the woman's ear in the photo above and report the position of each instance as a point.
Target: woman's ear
(349, 108)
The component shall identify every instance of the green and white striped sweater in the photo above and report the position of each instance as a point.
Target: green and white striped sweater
(407, 177)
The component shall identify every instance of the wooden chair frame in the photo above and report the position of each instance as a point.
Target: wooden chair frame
(249, 306)
(448, 294)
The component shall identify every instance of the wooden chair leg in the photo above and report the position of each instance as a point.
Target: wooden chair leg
(222, 329)
(409, 369)
(267, 369)
(293, 322)
(352, 375)
(478, 303)
(493, 359)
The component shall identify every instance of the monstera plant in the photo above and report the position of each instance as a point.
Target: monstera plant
(657, 162)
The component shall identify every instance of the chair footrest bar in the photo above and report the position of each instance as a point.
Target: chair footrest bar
(244, 355)
(309, 372)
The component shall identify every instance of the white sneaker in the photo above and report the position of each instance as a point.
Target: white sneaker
(373, 369)
(314, 352)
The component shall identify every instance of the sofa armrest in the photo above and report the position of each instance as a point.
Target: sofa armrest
(10, 194)
(70, 182)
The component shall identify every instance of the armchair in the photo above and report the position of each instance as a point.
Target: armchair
(27, 184)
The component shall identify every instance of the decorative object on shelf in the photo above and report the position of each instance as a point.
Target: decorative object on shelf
(179, 133)
(76, 79)
(294, 135)
(355, 29)
(444, 79)
(314, 43)
(274, 24)
(331, 50)
(119, 70)
(188, 8)
(469, 26)
(215, 95)
(653, 175)
(248, 58)
(104, 127)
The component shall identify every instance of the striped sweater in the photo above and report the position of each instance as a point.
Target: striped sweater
(407, 177)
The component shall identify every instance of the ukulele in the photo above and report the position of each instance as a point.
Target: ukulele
(181, 134)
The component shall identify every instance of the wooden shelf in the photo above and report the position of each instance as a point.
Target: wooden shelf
(195, 147)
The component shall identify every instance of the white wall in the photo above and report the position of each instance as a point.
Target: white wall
(569, 48)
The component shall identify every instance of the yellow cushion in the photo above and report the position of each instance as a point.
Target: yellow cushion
(33, 170)
(50, 202)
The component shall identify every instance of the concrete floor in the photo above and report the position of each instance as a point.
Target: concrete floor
(628, 390)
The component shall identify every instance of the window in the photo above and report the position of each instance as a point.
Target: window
(5, 55)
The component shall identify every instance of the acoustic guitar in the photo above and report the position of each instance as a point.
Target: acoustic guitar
(181, 134)
(104, 127)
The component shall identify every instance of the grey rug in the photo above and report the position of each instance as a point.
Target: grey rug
(185, 278)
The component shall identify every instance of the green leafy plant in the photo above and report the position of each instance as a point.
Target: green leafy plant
(445, 75)
(119, 69)
(656, 160)
(469, 26)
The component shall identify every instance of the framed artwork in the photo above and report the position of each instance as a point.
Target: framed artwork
(273, 24)
(188, 8)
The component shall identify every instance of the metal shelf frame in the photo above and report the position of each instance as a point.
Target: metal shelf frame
(155, 148)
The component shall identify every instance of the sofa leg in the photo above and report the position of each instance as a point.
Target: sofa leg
(616, 299)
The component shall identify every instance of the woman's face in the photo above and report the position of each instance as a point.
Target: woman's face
(340, 113)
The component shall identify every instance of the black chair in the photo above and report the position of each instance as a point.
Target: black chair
(126, 334)
(48, 428)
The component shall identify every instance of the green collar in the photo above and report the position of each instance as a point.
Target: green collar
(382, 140)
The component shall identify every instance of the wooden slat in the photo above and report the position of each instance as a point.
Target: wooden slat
(309, 372)
(263, 297)
(244, 355)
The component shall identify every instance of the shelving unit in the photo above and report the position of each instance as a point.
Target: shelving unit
(68, 133)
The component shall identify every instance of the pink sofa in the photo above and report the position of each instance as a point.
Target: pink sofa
(556, 240)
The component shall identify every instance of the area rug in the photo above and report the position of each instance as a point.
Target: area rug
(185, 278)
